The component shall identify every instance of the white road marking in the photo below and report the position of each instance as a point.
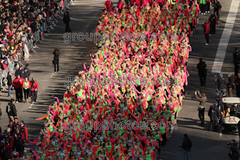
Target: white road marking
(222, 46)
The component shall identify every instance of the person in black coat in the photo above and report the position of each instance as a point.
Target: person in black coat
(201, 66)
(214, 115)
(27, 72)
(9, 83)
(56, 54)
(186, 146)
(11, 110)
(66, 20)
(213, 20)
(20, 72)
(236, 60)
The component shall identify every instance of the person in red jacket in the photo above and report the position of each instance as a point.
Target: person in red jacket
(206, 26)
(33, 90)
(17, 84)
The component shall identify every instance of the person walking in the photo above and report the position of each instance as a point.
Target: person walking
(17, 84)
(213, 20)
(66, 20)
(27, 72)
(222, 85)
(186, 146)
(237, 84)
(26, 87)
(56, 54)
(11, 110)
(214, 115)
(202, 72)
(201, 97)
(208, 6)
(236, 61)
(33, 90)
(18, 141)
(230, 84)
(217, 8)
(202, 6)
(9, 83)
(206, 26)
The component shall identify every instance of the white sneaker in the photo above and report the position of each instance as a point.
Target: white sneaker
(206, 44)
(16, 101)
(208, 11)
(204, 13)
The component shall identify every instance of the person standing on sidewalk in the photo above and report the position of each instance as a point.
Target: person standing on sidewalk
(9, 83)
(26, 87)
(202, 72)
(230, 84)
(236, 60)
(17, 84)
(11, 110)
(237, 84)
(206, 27)
(213, 20)
(201, 97)
(56, 54)
(214, 115)
(33, 90)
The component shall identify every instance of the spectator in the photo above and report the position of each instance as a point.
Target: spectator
(236, 61)
(213, 20)
(201, 109)
(11, 110)
(17, 84)
(56, 53)
(230, 84)
(9, 83)
(27, 72)
(66, 20)
(214, 115)
(186, 146)
(202, 72)
(206, 31)
(221, 84)
(33, 90)
(237, 84)
(217, 8)
(20, 72)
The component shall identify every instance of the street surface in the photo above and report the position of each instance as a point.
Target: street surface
(84, 17)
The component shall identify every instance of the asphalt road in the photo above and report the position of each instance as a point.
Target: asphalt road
(84, 17)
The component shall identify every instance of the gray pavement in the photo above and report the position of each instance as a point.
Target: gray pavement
(84, 17)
